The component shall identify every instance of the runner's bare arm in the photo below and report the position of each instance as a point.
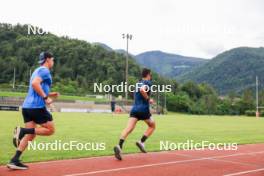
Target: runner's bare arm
(54, 94)
(145, 94)
(37, 87)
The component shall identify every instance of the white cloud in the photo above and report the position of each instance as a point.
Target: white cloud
(176, 26)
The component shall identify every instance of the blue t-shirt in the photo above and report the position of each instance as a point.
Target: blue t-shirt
(33, 99)
(141, 104)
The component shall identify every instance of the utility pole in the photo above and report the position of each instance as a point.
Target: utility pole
(257, 101)
(29, 76)
(127, 37)
(158, 99)
(165, 103)
(14, 78)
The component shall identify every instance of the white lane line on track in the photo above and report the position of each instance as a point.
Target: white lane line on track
(228, 161)
(245, 172)
(89, 158)
(161, 164)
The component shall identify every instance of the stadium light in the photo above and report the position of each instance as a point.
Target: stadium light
(127, 37)
(14, 79)
(257, 101)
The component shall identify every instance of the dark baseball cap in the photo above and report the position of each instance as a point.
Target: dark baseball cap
(43, 57)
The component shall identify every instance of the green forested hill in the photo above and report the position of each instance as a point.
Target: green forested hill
(78, 64)
(233, 70)
(167, 64)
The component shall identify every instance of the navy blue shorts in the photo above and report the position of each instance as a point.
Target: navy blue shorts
(140, 115)
(37, 115)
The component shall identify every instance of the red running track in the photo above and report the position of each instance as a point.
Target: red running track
(248, 160)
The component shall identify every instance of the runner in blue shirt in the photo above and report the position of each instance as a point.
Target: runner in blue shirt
(139, 111)
(34, 109)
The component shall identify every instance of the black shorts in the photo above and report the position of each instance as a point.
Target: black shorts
(141, 115)
(38, 115)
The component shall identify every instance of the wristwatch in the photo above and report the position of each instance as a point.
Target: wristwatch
(45, 98)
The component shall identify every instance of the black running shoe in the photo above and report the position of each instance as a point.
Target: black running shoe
(17, 136)
(141, 146)
(17, 165)
(118, 152)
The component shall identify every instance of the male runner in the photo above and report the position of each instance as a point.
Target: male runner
(139, 111)
(34, 110)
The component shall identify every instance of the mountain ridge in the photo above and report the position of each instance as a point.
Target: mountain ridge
(168, 64)
(232, 70)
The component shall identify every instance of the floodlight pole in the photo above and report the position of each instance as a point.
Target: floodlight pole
(257, 101)
(127, 37)
(14, 78)
(165, 103)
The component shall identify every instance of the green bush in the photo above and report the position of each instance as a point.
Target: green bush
(179, 102)
(253, 113)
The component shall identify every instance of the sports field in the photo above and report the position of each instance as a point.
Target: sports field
(91, 127)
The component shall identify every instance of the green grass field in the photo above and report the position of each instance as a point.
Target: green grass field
(91, 127)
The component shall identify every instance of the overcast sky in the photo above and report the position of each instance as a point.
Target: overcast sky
(200, 28)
